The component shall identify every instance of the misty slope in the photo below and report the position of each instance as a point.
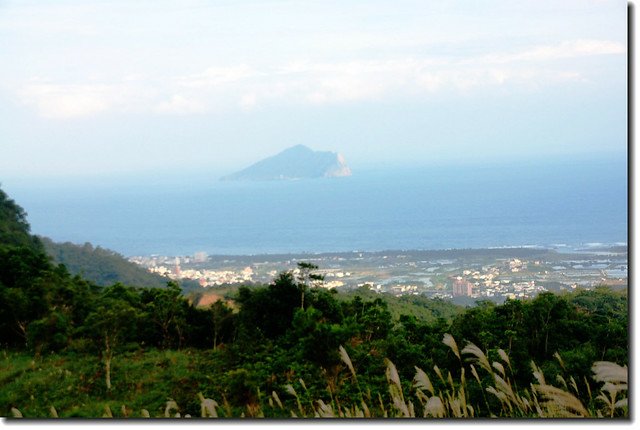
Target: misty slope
(297, 162)
(99, 265)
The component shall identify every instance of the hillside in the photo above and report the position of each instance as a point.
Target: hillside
(297, 162)
(14, 228)
(101, 266)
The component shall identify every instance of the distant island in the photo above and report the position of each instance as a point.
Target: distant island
(297, 162)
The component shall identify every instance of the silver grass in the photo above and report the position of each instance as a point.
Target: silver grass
(503, 355)
(107, 412)
(586, 383)
(276, 398)
(499, 367)
(479, 355)
(412, 410)
(474, 372)
(289, 388)
(556, 355)
(504, 387)
(365, 409)
(400, 405)
(324, 410)
(439, 373)
(347, 360)
(560, 403)
(499, 394)
(562, 382)
(450, 380)
(606, 371)
(574, 385)
(392, 373)
(302, 383)
(622, 403)
(207, 407)
(171, 405)
(451, 343)
(435, 408)
(422, 381)
(537, 373)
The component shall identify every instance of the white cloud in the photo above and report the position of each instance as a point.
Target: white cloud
(216, 76)
(249, 101)
(180, 105)
(69, 101)
(306, 82)
(564, 50)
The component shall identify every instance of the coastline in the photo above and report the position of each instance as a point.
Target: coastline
(592, 248)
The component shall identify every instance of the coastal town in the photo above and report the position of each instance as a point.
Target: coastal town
(463, 276)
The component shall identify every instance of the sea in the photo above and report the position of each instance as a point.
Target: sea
(560, 203)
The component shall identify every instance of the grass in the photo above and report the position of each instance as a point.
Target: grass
(179, 384)
(74, 384)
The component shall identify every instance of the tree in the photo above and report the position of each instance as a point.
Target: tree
(306, 278)
(544, 314)
(112, 322)
(166, 308)
(221, 316)
(376, 319)
(23, 296)
(268, 311)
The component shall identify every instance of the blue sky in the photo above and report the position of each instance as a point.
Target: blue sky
(120, 88)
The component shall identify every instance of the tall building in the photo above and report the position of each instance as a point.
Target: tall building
(200, 257)
(176, 269)
(462, 287)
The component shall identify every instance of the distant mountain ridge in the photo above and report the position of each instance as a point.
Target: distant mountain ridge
(297, 162)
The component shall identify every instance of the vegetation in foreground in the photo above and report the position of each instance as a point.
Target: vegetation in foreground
(72, 348)
(438, 396)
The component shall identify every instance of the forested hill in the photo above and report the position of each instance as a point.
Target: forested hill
(99, 265)
(14, 228)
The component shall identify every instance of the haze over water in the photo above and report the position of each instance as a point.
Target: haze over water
(117, 119)
(546, 203)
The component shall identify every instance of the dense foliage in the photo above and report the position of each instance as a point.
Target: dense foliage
(100, 266)
(14, 228)
(71, 342)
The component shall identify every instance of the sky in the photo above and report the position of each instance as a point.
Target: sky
(111, 88)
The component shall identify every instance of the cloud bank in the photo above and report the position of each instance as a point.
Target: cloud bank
(245, 87)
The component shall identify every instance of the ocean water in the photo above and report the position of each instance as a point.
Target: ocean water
(457, 206)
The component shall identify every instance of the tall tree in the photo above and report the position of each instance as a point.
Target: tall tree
(221, 316)
(306, 279)
(113, 321)
(166, 308)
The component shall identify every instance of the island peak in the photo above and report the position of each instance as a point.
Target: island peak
(296, 162)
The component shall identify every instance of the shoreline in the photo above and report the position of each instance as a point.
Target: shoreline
(616, 248)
